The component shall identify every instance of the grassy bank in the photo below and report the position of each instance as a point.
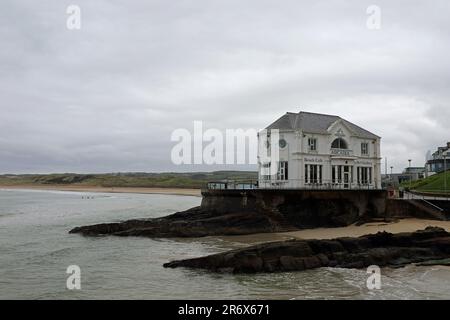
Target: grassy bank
(434, 183)
(139, 179)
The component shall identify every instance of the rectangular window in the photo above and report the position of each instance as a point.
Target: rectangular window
(282, 170)
(313, 174)
(364, 175)
(364, 148)
(312, 144)
(336, 174)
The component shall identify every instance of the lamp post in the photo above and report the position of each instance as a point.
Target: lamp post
(410, 174)
(445, 173)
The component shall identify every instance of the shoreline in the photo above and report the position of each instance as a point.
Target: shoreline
(402, 225)
(136, 190)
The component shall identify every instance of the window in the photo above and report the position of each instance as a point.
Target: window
(364, 175)
(364, 148)
(336, 175)
(312, 144)
(339, 143)
(341, 174)
(282, 170)
(313, 173)
(265, 170)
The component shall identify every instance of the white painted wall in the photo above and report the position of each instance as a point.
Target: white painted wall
(297, 154)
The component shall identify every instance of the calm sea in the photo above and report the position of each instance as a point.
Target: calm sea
(36, 249)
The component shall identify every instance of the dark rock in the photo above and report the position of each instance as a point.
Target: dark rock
(382, 249)
(194, 222)
(441, 262)
(238, 212)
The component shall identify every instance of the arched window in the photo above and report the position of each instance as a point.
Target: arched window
(339, 143)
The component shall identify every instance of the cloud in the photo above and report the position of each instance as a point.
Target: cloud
(108, 96)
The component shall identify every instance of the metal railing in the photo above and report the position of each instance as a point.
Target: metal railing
(433, 205)
(289, 184)
(232, 185)
(436, 195)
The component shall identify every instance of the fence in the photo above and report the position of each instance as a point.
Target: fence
(435, 195)
(289, 184)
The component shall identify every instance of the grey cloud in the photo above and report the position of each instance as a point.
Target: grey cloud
(107, 97)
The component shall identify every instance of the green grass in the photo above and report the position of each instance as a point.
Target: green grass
(434, 183)
(138, 179)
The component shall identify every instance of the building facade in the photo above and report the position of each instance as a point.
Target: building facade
(440, 160)
(319, 151)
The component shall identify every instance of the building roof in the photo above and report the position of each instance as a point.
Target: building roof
(316, 123)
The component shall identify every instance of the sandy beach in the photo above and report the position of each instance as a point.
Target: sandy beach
(403, 225)
(172, 191)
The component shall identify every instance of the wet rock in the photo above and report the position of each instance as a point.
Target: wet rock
(382, 249)
(194, 222)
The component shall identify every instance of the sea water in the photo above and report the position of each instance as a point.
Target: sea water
(36, 250)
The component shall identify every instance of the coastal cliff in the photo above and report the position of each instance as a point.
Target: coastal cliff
(429, 246)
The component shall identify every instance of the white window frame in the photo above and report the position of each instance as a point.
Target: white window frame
(364, 175)
(282, 173)
(364, 148)
(312, 144)
(313, 174)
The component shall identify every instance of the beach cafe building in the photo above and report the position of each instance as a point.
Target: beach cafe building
(319, 151)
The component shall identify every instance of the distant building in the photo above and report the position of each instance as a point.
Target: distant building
(439, 160)
(395, 179)
(414, 173)
(321, 151)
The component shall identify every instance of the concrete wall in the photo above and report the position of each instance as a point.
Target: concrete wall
(300, 208)
(403, 208)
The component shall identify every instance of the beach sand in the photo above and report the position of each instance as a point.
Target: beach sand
(403, 225)
(172, 191)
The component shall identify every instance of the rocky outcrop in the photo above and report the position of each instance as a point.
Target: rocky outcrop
(237, 212)
(431, 245)
(195, 222)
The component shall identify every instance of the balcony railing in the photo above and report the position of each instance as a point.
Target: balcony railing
(290, 184)
(232, 185)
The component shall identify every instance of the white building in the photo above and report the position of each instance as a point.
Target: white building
(320, 151)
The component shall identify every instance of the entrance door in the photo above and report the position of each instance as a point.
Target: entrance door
(346, 177)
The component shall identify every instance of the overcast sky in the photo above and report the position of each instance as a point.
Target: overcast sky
(108, 96)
